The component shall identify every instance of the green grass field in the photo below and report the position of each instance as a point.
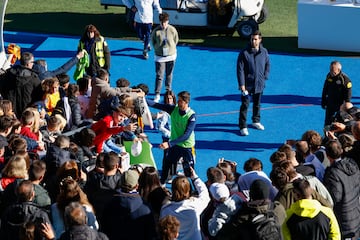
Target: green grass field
(70, 16)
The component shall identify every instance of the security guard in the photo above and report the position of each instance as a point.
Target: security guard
(97, 49)
(336, 91)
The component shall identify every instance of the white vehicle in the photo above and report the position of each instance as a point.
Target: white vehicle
(241, 15)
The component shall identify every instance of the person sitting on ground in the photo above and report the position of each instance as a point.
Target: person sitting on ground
(169, 228)
(76, 224)
(307, 218)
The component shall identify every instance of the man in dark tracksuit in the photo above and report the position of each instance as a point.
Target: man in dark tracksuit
(253, 67)
(337, 90)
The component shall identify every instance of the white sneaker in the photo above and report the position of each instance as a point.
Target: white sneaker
(157, 98)
(145, 54)
(258, 126)
(244, 132)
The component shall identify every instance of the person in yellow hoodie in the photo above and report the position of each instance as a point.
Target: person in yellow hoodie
(307, 218)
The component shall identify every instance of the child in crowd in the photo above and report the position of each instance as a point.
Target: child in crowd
(108, 126)
(7, 108)
(226, 206)
(123, 85)
(50, 87)
(51, 131)
(169, 227)
(84, 94)
(27, 123)
(231, 175)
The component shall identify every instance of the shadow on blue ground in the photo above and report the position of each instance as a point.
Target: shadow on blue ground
(274, 99)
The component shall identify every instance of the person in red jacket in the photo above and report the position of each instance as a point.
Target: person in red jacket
(108, 126)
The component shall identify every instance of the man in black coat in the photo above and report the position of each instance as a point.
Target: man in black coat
(21, 213)
(21, 85)
(126, 217)
(337, 90)
(342, 179)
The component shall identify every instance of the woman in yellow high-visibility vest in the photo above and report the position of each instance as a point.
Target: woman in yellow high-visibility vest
(97, 49)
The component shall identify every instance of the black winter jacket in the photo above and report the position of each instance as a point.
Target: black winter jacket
(342, 179)
(82, 232)
(16, 215)
(22, 87)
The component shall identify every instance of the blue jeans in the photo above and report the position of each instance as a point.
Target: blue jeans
(143, 31)
(110, 146)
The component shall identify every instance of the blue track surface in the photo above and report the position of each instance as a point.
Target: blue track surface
(290, 104)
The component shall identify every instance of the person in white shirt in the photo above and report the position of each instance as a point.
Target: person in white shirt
(143, 19)
(187, 208)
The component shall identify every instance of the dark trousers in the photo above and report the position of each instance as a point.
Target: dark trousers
(330, 114)
(161, 68)
(245, 102)
(143, 31)
(171, 159)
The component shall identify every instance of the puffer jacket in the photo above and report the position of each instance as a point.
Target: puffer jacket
(342, 179)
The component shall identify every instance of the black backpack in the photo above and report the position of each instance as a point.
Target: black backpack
(249, 224)
(265, 226)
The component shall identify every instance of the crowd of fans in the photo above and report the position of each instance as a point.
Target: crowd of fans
(65, 175)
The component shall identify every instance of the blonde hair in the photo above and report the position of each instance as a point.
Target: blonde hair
(62, 122)
(16, 167)
(36, 125)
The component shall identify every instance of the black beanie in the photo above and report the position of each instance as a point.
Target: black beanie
(259, 190)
